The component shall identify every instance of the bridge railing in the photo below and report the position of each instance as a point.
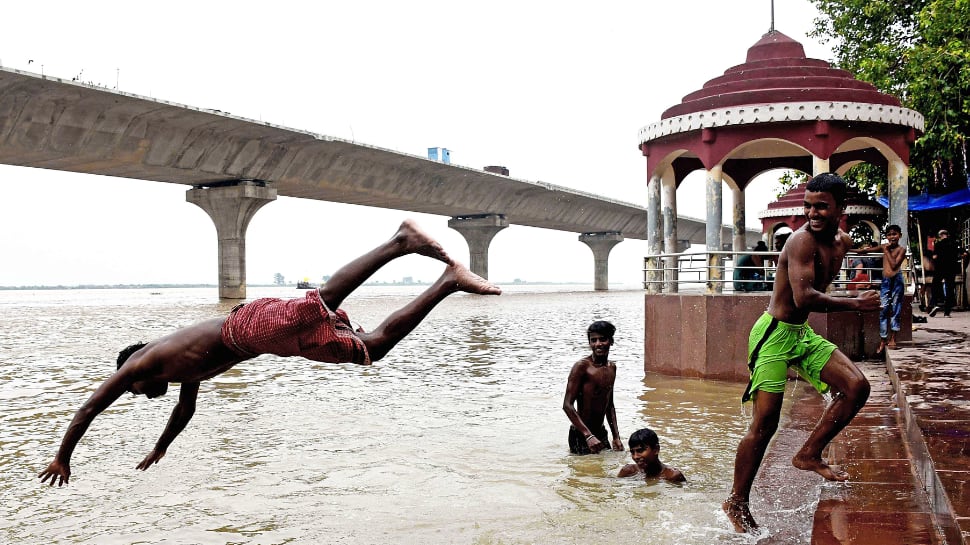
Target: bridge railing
(718, 272)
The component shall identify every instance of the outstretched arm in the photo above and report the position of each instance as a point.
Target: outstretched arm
(614, 429)
(181, 415)
(573, 387)
(801, 278)
(101, 399)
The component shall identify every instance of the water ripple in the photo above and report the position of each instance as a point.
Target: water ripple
(457, 436)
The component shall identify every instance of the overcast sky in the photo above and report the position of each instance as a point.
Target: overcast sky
(555, 91)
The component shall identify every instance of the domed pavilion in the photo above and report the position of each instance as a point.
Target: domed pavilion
(777, 110)
(788, 211)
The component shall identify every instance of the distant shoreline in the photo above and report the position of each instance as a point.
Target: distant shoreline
(293, 286)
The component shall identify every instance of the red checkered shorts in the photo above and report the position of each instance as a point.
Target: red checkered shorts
(294, 327)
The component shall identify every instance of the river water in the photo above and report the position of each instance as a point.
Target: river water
(457, 436)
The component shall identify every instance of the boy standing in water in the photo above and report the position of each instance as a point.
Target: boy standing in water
(645, 450)
(311, 327)
(808, 263)
(891, 288)
(589, 395)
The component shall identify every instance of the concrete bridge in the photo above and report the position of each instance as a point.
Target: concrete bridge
(236, 165)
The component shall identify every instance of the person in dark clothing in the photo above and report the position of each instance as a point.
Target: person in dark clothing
(749, 272)
(946, 263)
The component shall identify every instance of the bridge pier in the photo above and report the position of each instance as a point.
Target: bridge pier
(478, 231)
(231, 205)
(601, 244)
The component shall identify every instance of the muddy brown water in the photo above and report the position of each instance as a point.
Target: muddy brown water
(458, 436)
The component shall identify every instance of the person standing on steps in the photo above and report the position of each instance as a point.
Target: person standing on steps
(809, 262)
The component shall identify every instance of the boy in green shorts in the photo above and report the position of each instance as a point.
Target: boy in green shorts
(782, 338)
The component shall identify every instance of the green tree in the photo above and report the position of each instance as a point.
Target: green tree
(917, 51)
(278, 279)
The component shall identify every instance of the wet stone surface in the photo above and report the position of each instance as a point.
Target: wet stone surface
(934, 375)
(882, 502)
(837, 523)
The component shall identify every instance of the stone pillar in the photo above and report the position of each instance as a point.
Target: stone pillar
(740, 242)
(601, 244)
(819, 165)
(715, 267)
(478, 232)
(899, 198)
(654, 234)
(670, 230)
(231, 206)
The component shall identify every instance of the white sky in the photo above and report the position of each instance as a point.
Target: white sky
(555, 91)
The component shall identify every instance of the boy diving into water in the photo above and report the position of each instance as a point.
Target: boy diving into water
(311, 327)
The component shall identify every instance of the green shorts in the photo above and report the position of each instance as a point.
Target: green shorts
(773, 346)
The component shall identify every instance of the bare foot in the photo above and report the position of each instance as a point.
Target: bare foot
(831, 473)
(469, 282)
(739, 514)
(416, 241)
(892, 343)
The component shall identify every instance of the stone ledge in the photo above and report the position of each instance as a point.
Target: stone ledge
(706, 335)
(955, 528)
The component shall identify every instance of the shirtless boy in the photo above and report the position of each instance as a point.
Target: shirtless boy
(311, 327)
(781, 337)
(589, 395)
(892, 287)
(645, 450)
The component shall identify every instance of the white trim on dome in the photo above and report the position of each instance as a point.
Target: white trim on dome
(783, 111)
(853, 209)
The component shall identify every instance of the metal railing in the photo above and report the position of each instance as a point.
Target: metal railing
(714, 272)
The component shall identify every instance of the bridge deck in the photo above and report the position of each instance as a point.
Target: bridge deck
(51, 123)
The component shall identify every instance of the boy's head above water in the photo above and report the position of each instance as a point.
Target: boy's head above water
(645, 437)
(645, 448)
(600, 337)
(601, 327)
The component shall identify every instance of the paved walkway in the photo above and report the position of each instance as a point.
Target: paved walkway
(932, 375)
(909, 462)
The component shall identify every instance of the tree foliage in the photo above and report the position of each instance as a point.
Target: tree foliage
(918, 51)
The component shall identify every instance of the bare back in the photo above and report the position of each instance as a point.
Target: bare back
(191, 354)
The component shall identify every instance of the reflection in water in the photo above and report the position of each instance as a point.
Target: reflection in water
(479, 343)
(458, 436)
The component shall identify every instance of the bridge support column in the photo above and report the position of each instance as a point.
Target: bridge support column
(231, 206)
(601, 244)
(478, 232)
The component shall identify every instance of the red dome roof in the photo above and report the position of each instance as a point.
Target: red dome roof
(795, 198)
(777, 71)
